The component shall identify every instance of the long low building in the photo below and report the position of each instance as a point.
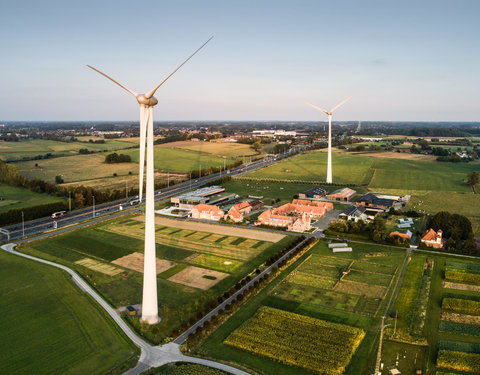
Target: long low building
(210, 194)
(295, 216)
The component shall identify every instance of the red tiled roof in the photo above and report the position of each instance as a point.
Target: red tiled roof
(403, 235)
(429, 235)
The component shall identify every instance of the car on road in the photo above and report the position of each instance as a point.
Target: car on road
(133, 201)
(59, 214)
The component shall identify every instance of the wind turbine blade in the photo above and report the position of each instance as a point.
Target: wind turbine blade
(151, 93)
(111, 79)
(317, 108)
(339, 105)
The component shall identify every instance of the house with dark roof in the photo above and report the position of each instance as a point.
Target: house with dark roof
(357, 213)
(315, 192)
(371, 200)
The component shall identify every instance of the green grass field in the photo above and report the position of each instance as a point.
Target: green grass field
(34, 147)
(375, 172)
(177, 303)
(171, 159)
(229, 150)
(19, 198)
(312, 166)
(49, 326)
(76, 168)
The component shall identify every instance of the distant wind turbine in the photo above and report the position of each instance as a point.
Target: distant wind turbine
(147, 102)
(329, 114)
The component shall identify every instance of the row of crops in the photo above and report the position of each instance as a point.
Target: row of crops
(461, 316)
(295, 340)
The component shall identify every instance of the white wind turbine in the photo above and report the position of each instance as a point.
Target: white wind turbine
(329, 114)
(147, 102)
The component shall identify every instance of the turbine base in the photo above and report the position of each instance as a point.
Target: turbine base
(155, 319)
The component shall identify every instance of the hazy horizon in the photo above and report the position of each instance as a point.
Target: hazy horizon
(405, 61)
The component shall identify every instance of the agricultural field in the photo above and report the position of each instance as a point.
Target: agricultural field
(295, 340)
(233, 341)
(377, 173)
(78, 168)
(14, 198)
(49, 326)
(30, 148)
(451, 328)
(180, 160)
(193, 267)
(320, 282)
(410, 300)
(228, 150)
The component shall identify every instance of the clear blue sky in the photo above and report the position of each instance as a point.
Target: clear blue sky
(401, 60)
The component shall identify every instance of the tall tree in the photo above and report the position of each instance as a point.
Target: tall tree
(473, 178)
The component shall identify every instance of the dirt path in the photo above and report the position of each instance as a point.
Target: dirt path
(229, 230)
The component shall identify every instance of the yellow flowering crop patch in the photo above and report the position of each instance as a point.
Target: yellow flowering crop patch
(298, 340)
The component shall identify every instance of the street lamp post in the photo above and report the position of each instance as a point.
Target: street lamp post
(94, 206)
(23, 225)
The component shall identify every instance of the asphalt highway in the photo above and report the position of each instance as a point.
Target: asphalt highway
(38, 226)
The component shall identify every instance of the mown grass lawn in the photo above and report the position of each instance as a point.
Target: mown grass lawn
(49, 326)
(20, 198)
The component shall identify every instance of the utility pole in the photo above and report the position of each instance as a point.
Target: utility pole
(126, 189)
(190, 180)
(69, 201)
(94, 206)
(23, 225)
(200, 170)
(168, 179)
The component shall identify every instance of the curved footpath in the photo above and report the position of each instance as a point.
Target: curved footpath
(151, 356)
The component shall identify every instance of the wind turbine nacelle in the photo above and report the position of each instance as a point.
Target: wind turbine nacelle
(149, 102)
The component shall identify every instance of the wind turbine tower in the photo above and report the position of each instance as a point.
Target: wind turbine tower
(329, 114)
(147, 102)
